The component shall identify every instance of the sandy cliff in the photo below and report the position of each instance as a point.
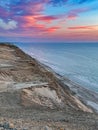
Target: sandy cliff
(36, 85)
(28, 88)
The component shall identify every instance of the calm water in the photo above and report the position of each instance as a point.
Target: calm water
(79, 62)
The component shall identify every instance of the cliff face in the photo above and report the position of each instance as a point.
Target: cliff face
(24, 82)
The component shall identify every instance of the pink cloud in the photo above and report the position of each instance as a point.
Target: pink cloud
(47, 18)
(52, 29)
(73, 14)
(92, 27)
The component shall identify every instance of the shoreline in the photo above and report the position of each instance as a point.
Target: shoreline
(85, 95)
(37, 96)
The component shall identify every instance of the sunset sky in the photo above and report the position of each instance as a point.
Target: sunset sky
(49, 20)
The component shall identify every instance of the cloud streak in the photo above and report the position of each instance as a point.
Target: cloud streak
(93, 27)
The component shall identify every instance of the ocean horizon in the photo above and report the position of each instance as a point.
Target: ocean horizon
(76, 61)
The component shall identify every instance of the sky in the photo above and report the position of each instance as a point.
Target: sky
(49, 20)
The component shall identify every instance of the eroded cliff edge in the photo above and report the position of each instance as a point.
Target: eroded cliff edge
(35, 84)
(31, 90)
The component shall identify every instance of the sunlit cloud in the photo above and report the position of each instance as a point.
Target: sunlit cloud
(30, 19)
(47, 18)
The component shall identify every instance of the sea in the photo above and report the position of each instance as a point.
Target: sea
(76, 61)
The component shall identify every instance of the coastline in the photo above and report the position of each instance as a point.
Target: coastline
(71, 61)
(85, 95)
(73, 115)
